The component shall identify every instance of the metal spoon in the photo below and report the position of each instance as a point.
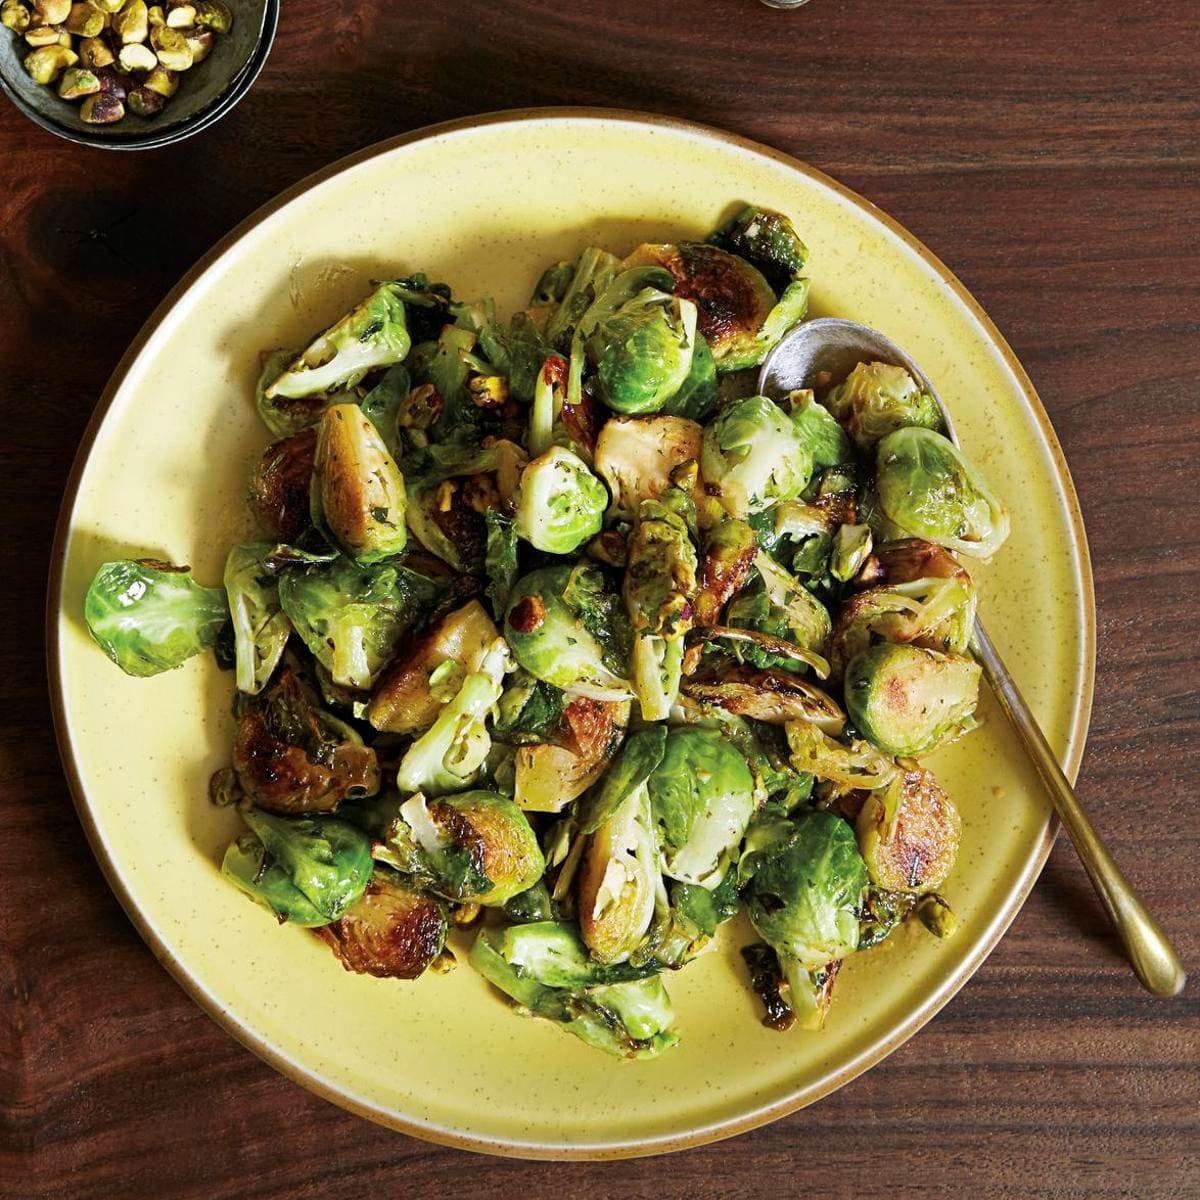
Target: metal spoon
(836, 346)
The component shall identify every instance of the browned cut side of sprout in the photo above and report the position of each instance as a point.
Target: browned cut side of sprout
(729, 552)
(776, 697)
(279, 486)
(548, 776)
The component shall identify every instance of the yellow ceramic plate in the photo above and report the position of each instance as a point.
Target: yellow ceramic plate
(484, 204)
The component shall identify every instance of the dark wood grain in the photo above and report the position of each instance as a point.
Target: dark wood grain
(1051, 154)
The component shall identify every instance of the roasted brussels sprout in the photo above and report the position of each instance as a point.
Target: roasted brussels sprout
(737, 312)
(326, 860)
(771, 695)
(260, 628)
(702, 798)
(642, 352)
(856, 766)
(562, 626)
(545, 968)
(807, 889)
(292, 757)
(660, 581)
(908, 833)
(782, 608)
(280, 487)
(697, 396)
(560, 503)
(907, 700)
(352, 617)
(479, 845)
(357, 489)
(927, 487)
(767, 240)
(818, 428)
(373, 334)
(548, 775)
(282, 415)
(450, 756)
(728, 556)
(593, 271)
(403, 700)
(393, 931)
(928, 600)
(752, 457)
(149, 616)
(618, 880)
(852, 545)
(637, 456)
(876, 399)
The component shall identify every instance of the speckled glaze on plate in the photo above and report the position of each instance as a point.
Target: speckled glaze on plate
(484, 204)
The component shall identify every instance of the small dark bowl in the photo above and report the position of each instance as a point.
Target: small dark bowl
(206, 92)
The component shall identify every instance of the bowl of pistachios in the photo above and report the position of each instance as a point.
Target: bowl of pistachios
(128, 74)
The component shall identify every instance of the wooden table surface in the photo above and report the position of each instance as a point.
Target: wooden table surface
(1050, 153)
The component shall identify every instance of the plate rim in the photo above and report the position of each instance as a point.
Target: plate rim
(533, 1149)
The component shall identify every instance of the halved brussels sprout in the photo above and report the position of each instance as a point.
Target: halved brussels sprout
(697, 397)
(545, 967)
(450, 756)
(928, 600)
(284, 415)
(560, 503)
(479, 845)
(738, 313)
(728, 555)
(660, 580)
(766, 239)
(907, 700)
(149, 616)
(547, 776)
(774, 696)
(642, 352)
(281, 485)
(752, 457)
(618, 879)
(357, 489)
(807, 890)
(702, 797)
(908, 833)
(593, 271)
(352, 617)
(637, 456)
(260, 627)
(876, 399)
(292, 757)
(326, 860)
(373, 334)
(557, 624)
(857, 766)
(402, 700)
(927, 487)
(393, 931)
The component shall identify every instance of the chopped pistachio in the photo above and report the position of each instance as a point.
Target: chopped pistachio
(137, 57)
(94, 53)
(15, 15)
(200, 44)
(47, 63)
(162, 81)
(78, 82)
(50, 12)
(214, 15)
(42, 35)
(132, 23)
(144, 102)
(172, 48)
(181, 16)
(84, 20)
(102, 109)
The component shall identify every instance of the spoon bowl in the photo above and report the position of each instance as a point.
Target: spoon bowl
(818, 352)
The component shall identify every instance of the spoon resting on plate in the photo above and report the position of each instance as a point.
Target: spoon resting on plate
(829, 348)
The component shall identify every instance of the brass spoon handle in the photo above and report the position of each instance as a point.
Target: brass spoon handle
(1154, 959)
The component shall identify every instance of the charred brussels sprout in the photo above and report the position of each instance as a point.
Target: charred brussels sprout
(642, 352)
(908, 700)
(149, 616)
(753, 457)
(479, 845)
(451, 755)
(702, 797)
(807, 890)
(352, 617)
(357, 489)
(876, 399)
(782, 608)
(557, 624)
(560, 503)
(373, 334)
(849, 767)
(545, 967)
(927, 487)
(260, 627)
(767, 240)
(281, 485)
(737, 311)
(326, 861)
(908, 833)
(292, 757)
(393, 931)
(284, 415)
